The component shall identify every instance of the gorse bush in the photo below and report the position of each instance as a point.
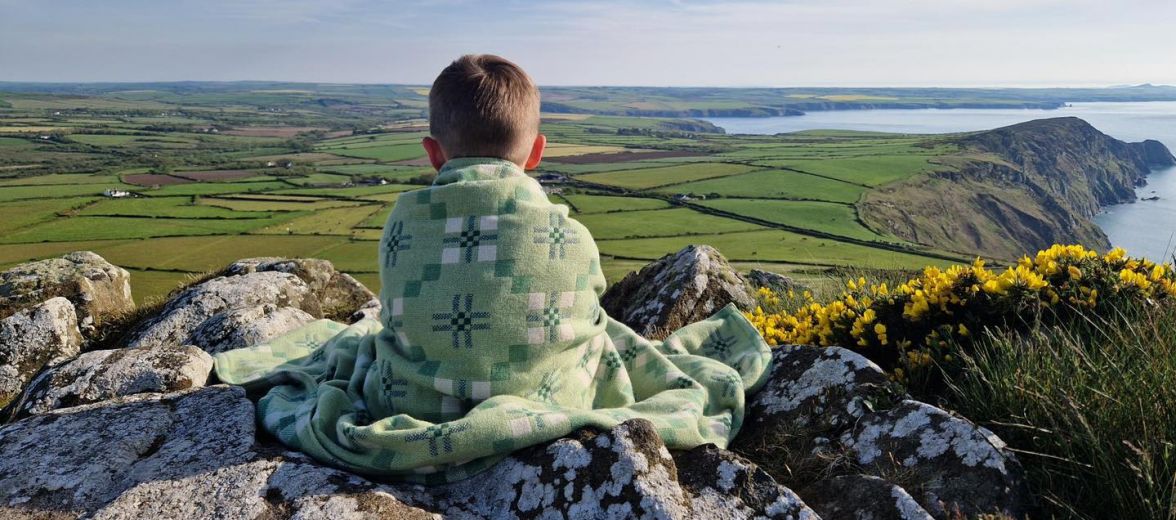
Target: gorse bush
(920, 323)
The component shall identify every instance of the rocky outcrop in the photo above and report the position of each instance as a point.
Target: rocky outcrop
(194, 308)
(184, 455)
(625, 472)
(134, 433)
(33, 338)
(1020, 188)
(338, 294)
(830, 404)
(676, 290)
(768, 280)
(107, 374)
(957, 466)
(247, 326)
(97, 289)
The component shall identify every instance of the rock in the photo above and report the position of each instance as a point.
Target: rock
(248, 326)
(182, 455)
(106, 374)
(863, 496)
(338, 293)
(369, 311)
(676, 290)
(196, 308)
(33, 338)
(957, 466)
(776, 282)
(625, 472)
(726, 485)
(98, 289)
(811, 396)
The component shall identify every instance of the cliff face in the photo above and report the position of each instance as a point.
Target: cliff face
(1018, 188)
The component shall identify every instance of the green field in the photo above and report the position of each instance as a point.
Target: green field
(783, 203)
(646, 178)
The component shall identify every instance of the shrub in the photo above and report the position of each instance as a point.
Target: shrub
(921, 322)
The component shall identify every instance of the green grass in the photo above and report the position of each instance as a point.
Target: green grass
(646, 178)
(18, 215)
(107, 228)
(176, 207)
(215, 188)
(666, 222)
(386, 153)
(870, 170)
(774, 184)
(585, 204)
(838, 219)
(771, 246)
(1089, 406)
(13, 193)
(337, 221)
(62, 178)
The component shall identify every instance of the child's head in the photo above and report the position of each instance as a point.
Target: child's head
(482, 105)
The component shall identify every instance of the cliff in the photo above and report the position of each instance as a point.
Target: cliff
(1017, 188)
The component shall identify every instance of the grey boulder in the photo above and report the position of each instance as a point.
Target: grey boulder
(183, 455)
(107, 374)
(339, 294)
(33, 338)
(98, 289)
(192, 310)
(676, 290)
(248, 326)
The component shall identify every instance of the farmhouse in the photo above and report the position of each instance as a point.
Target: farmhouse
(552, 178)
(117, 194)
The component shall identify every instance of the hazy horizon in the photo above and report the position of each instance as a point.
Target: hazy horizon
(748, 43)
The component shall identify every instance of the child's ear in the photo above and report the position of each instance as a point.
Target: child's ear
(536, 152)
(437, 155)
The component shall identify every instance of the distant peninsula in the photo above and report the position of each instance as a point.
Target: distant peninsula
(1017, 188)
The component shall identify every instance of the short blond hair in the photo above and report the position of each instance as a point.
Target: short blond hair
(483, 105)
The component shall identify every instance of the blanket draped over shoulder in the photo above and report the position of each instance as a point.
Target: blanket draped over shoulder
(491, 339)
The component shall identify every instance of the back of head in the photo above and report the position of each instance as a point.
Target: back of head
(483, 105)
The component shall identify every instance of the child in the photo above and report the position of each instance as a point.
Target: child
(491, 337)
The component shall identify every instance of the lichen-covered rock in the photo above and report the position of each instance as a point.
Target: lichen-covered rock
(338, 293)
(33, 338)
(769, 280)
(98, 289)
(676, 290)
(811, 396)
(245, 327)
(195, 307)
(106, 374)
(625, 472)
(818, 389)
(958, 467)
(863, 496)
(183, 455)
(725, 485)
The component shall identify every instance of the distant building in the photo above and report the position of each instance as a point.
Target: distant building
(116, 194)
(681, 197)
(552, 178)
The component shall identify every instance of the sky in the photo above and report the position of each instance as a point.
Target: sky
(951, 43)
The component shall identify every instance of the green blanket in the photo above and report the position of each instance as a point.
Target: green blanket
(491, 338)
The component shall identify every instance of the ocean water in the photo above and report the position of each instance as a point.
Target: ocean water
(1144, 228)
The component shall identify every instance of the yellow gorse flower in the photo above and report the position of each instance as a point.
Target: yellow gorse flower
(943, 306)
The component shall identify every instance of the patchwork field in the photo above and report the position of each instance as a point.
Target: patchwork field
(218, 181)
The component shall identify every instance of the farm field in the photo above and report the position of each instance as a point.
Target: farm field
(218, 179)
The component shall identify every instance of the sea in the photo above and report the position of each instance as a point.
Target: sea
(1144, 228)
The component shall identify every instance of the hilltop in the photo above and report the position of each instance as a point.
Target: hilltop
(1017, 188)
